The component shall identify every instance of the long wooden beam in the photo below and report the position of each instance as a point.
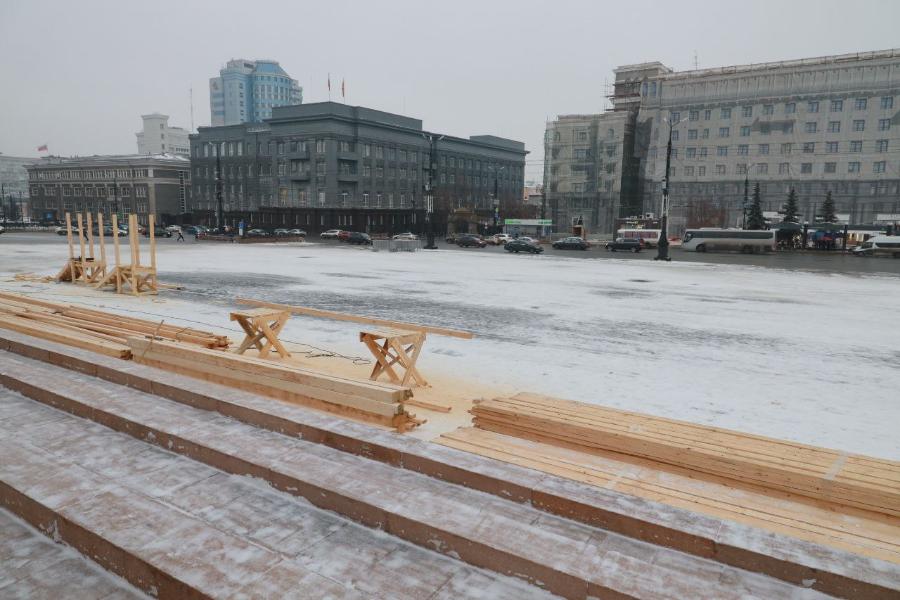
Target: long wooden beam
(338, 316)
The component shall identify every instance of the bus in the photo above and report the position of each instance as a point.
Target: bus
(650, 236)
(751, 240)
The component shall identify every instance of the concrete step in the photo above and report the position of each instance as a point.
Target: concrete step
(181, 529)
(797, 561)
(565, 557)
(33, 566)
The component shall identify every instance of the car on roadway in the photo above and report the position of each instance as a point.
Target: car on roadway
(469, 240)
(173, 228)
(571, 243)
(522, 245)
(343, 236)
(405, 236)
(887, 245)
(357, 237)
(297, 232)
(158, 232)
(451, 237)
(2, 229)
(625, 244)
(331, 234)
(258, 233)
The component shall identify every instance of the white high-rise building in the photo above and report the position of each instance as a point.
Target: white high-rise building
(159, 138)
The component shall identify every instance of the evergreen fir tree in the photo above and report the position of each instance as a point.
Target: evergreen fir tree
(756, 220)
(791, 209)
(828, 215)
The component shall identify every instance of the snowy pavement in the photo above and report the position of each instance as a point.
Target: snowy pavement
(808, 356)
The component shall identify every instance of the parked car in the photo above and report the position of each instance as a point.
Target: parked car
(451, 237)
(173, 228)
(405, 236)
(498, 239)
(571, 243)
(343, 236)
(467, 241)
(62, 230)
(521, 245)
(2, 229)
(886, 245)
(298, 232)
(525, 238)
(158, 232)
(331, 234)
(626, 244)
(282, 231)
(257, 233)
(357, 237)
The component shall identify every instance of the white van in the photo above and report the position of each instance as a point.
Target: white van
(884, 245)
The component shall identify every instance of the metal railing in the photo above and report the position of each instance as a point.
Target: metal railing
(397, 245)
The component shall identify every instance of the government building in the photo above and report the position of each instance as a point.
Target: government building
(817, 125)
(120, 184)
(328, 165)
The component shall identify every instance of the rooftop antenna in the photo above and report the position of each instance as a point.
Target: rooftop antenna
(192, 109)
(696, 61)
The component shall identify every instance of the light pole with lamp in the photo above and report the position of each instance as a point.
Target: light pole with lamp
(496, 201)
(662, 248)
(429, 190)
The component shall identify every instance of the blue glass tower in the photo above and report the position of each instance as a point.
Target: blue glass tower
(246, 91)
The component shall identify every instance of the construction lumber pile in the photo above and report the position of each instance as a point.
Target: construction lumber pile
(368, 401)
(103, 332)
(821, 474)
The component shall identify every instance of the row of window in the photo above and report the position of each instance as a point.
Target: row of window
(101, 192)
(812, 106)
(786, 128)
(88, 174)
(783, 169)
(787, 148)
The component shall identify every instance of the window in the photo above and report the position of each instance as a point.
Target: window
(347, 146)
(725, 113)
(884, 124)
(879, 167)
(887, 102)
(747, 111)
(580, 153)
(763, 148)
(831, 167)
(812, 107)
(786, 148)
(856, 146)
(694, 115)
(692, 134)
(689, 171)
(367, 150)
(724, 132)
(806, 168)
(810, 127)
(707, 114)
(367, 171)
(881, 146)
(720, 169)
(691, 152)
(322, 198)
(280, 148)
(831, 147)
(674, 117)
(762, 169)
(675, 136)
(743, 149)
(768, 109)
(701, 171)
(582, 136)
(784, 168)
(703, 152)
(860, 103)
(859, 125)
(837, 105)
(787, 128)
(742, 169)
(379, 152)
(809, 148)
(853, 167)
(705, 134)
(320, 146)
(834, 127)
(745, 131)
(790, 108)
(721, 150)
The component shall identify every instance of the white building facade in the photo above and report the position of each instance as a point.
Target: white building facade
(157, 137)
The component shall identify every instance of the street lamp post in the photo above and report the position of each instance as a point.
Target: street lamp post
(429, 190)
(662, 248)
(220, 209)
(496, 202)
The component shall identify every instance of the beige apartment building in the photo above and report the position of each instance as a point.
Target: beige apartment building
(816, 125)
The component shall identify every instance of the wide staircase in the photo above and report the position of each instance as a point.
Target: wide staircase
(188, 489)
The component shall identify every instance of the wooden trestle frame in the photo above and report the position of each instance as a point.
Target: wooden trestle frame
(133, 278)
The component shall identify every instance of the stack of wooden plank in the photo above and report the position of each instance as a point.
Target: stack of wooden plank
(103, 332)
(369, 401)
(828, 475)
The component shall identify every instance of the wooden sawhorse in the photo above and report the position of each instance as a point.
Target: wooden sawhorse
(262, 326)
(395, 347)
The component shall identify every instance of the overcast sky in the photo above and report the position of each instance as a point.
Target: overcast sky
(77, 75)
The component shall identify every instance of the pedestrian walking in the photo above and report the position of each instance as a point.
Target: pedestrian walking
(180, 237)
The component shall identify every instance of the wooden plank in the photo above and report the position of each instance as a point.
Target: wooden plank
(69, 237)
(151, 229)
(812, 485)
(65, 336)
(253, 368)
(338, 316)
(444, 408)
